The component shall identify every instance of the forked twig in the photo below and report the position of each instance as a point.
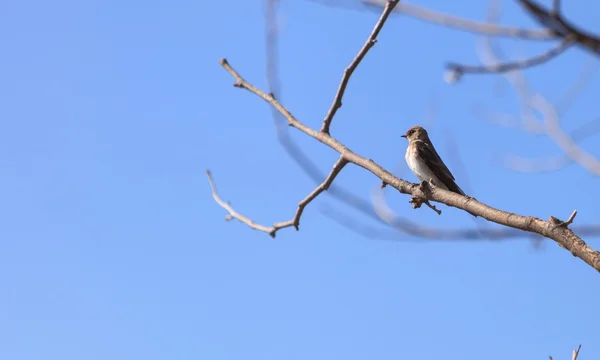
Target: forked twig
(295, 221)
(337, 101)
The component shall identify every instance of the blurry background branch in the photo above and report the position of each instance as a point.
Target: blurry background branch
(552, 21)
(459, 69)
(534, 103)
(458, 23)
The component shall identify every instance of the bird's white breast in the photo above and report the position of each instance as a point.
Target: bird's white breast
(419, 168)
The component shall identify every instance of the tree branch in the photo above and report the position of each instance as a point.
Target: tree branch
(509, 66)
(295, 221)
(401, 226)
(574, 355)
(235, 215)
(562, 235)
(337, 101)
(554, 21)
(458, 23)
(556, 162)
(337, 167)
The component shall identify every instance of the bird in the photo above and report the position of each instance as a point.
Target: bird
(425, 163)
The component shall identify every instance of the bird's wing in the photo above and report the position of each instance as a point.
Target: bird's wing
(431, 158)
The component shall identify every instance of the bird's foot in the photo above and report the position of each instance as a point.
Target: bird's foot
(426, 186)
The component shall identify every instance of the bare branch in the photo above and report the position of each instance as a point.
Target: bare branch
(337, 167)
(555, 22)
(563, 236)
(465, 24)
(575, 89)
(527, 123)
(574, 355)
(235, 215)
(509, 66)
(337, 101)
(552, 163)
(562, 139)
(295, 221)
(402, 227)
(554, 26)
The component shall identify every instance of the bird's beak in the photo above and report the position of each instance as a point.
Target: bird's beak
(404, 136)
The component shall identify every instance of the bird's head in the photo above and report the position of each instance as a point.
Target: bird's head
(416, 133)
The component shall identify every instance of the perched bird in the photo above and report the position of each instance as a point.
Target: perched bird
(425, 163)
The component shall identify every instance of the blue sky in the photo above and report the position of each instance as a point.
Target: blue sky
(112, 247)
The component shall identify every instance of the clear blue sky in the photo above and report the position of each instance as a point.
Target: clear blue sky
(112, 248)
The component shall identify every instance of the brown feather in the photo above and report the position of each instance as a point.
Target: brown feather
(430, 157)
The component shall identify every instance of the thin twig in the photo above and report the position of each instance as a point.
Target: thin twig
(574, 90)
(235, 215)
(295, 221)
(510, 66)
(551, 163)
(432, 207)
(337, 167)
(337, 101)
(472, 26)
(558, 223)
(570, 219)
(562, 106)
(555, 22)
(562, 139)
(576, 353)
